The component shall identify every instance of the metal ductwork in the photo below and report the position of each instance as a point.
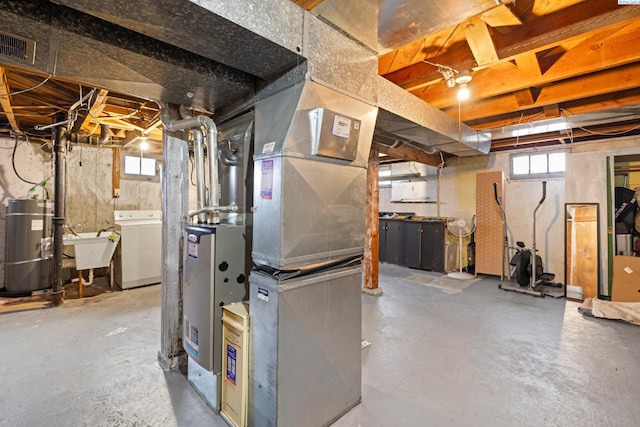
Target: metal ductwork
(312, 147)
(411, 119)
(130, 48)
(386, 25)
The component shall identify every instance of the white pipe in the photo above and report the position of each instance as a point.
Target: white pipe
(89, 283)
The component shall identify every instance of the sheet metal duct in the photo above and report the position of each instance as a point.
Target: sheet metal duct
(388, 24)
(309, 205)
(133, 48)
(411, 118)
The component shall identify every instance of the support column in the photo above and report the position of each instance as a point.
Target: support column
(372, 227)
(60, 158)
(175, 205)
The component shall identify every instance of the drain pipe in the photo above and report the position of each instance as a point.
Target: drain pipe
(59, 153)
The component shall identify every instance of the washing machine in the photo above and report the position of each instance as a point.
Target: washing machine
(138, 258)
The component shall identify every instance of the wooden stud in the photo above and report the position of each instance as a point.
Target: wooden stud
(115, 172)
(372, 226)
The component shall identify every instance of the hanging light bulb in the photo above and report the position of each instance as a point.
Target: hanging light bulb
(463, 92)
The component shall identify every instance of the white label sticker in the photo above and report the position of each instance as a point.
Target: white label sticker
(193, 250)
(628, 270)
(37, 224)
(269, 147)
(263, 294)
(266, 180)
(341, 126)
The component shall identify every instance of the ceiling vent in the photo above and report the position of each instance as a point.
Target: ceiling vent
(17, 48)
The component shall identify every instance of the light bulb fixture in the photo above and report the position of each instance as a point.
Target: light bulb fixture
(463, 92)
(463, 77)
(143, 146)
(453, 77)
(448, 74)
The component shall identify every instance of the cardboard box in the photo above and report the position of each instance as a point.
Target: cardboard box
(626, 279)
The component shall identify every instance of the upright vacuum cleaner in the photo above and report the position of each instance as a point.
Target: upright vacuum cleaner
(526, 264)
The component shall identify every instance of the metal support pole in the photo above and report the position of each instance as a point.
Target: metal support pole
(59, 153)
(532, 284)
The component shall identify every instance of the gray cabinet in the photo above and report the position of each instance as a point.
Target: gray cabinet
(389, 245)
(432, 246)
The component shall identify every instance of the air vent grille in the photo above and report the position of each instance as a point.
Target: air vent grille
(17, 48)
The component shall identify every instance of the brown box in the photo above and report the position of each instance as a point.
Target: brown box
(626, 279)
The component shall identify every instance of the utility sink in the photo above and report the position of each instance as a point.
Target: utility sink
(91, 250)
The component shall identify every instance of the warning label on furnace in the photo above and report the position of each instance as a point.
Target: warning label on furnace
(231, 364)
(266, 180)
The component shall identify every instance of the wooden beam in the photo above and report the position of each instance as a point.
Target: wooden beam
(615, 51)
(372, 226)
(501, 16)
(115, 172)
(528, 64)
(524, 97)
(5, 101)
(307, 4)
(551, 111)
(545, 33)
(409, 153)
(618, 79)
(560, 138)
(480, 42)
(581, 106)
(96, 110)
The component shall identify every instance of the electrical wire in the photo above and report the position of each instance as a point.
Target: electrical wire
(563, 111)
(15, 170)
(28, 89)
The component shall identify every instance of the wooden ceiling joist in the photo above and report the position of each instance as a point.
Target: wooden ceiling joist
(5, 101)
(408, 153)
(95, 111)
(480, 42)
(547, 32)
(614, 52)
(619, 79)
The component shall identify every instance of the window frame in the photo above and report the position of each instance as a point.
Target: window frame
(542, 175)
(140, 177)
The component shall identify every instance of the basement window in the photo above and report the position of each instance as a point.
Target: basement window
(137, 167)
(538, 165)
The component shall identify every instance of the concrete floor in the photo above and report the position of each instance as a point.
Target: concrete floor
(442, 353)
